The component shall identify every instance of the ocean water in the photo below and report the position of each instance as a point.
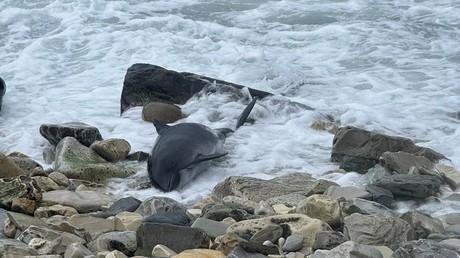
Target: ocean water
(387, 66)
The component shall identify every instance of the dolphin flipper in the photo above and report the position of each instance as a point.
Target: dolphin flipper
(242, 118)
(160, 126)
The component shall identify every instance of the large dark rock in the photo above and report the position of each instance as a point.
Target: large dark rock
(2, 91)
(172, 217)
(359, 150)
(426, 248)
(84, 133)
(145, 83)
(177, 238)
(406, 185)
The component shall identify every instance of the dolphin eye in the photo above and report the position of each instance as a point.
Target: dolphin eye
(171, 164)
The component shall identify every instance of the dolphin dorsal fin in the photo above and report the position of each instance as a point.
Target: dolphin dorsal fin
(244, 115)
(160, 126)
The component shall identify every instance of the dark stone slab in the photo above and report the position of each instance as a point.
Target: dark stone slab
(84, 133)
(145, 83)
(403, 185)
(125, 204)
(173, 218)
(177, 238)
(257, 247)
(381, 195)
(359, 150)
(239, 252)
(138, 156)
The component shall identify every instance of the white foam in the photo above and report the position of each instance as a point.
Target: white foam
(392, 68)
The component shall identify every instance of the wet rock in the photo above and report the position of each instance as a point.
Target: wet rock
(124, 204)
(211, 227)
(164, 112)
(451, 218)
(352, 249)
(348, 192)
(381, 195)
(293, 243)
(294, 223)
(177, 238)
(423, 224)
(425, 248)
(329, 240)
(269, 233)
(321, 207)
(82, 201)
(257, 190)
(77, 161)
(128, 221)
(419, 186)
(158, 204)
(377, 230)
(171, 217)
(288, 200)
(84, 133)
(367, 207)
(359, 150)
(49, 155)
(18, 187)
(145, 83)
(124, 242)
(8, 167)
(112, 149)
(200, 253)
(451, 176)
(401, 162)
(15, 248)
(77, 250)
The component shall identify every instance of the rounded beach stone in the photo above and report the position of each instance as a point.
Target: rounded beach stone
(112, 149)
(166, 113)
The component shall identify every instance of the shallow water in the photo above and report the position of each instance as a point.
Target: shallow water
(387, 66)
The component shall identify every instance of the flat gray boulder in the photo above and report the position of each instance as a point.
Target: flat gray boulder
(82, 201)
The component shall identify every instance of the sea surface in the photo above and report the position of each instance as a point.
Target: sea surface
(388, 66)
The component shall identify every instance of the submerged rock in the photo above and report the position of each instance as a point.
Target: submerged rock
(164, 112)
(145, 83)
(419, 186)
(84, 133)
(359, 150)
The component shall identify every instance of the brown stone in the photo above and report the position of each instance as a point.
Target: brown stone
(166, 113)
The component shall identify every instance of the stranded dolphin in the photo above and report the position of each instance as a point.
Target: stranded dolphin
(181, 152)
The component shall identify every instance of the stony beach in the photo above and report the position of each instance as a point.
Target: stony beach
(68, 211)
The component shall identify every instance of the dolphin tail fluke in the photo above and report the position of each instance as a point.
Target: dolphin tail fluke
(242, 118)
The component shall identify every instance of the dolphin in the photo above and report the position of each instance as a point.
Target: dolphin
(182, 152)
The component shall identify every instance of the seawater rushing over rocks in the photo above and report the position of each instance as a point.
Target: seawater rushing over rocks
(70, 210)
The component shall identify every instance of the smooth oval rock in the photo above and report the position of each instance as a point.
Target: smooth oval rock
(164, 112)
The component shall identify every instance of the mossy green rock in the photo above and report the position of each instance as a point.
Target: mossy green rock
(75, 160)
